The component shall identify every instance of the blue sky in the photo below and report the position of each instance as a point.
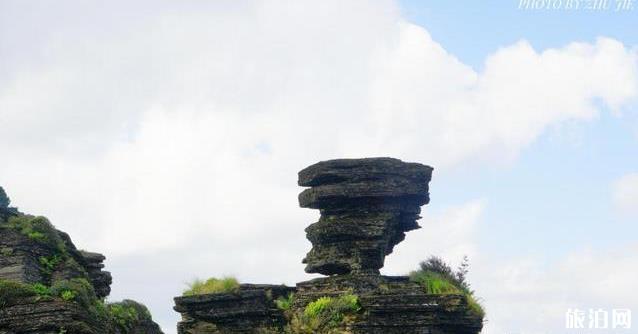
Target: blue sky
(471, 30)
(557, 195)
(171, 133)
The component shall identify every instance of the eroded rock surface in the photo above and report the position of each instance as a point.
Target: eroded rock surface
(367, 206)
(252, 309)
(48, 286)
(393, 305)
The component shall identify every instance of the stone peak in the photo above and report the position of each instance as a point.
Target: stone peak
(366, 206)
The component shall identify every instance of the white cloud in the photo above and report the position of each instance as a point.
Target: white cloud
(532, 296)
(450, 234)
(523, 295)
(625, 194)
(170, 129)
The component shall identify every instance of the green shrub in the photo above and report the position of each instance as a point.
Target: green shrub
(49, 263)
(75, 289)
(6, 251)
(437, 265)
(11, 291)
(68, 295)
(434, 283)
(437, 277)
(212, 285)
(38, 229)
(285, 303)
(325, 315)
(41, 290)
(475, 306)
(123, 316)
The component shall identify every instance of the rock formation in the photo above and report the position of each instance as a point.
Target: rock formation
(366, 206)
(249, 310)
(48, 286)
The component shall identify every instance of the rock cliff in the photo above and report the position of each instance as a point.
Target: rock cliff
(48, 286)
(366, 206)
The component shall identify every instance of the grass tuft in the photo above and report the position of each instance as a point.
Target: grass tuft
(325, 315)
(437, 277)
(285, 303)
(212, 286)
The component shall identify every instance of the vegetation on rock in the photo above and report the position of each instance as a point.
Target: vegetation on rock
(327, 315)
(77, 290)
(126, 314)
(285, 303)
(11, 291)
(211, 286)
(67, 278)
(38, 229)
(437, 277)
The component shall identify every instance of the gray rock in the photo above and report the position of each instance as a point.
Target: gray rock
(94, 266)
(4, 199)
(366, 206)
(44, 255)
(33, 315)
(252, 309)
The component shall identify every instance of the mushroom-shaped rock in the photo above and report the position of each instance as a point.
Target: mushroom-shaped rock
(366, 207)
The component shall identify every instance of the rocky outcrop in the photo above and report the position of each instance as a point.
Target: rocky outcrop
(19, 257)
(251, 309)
(48, 286)
(366, 206)
(142, 321)
(93, 263)
(34, 315)
(393, 305)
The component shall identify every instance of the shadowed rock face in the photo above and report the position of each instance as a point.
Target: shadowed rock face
(252, 309)
(366, 207)
(40, 254)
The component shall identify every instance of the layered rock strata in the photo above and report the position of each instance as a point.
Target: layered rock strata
(252, 309)
(366, 205)
(393, 305)
(48, 286)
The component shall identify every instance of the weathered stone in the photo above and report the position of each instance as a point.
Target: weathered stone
(250, 310)
(394, 305)
(101, 279)
(19, 258)
(47, 257)
(405, 312)
(366, 205)
(4, 199)
(32, 315)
